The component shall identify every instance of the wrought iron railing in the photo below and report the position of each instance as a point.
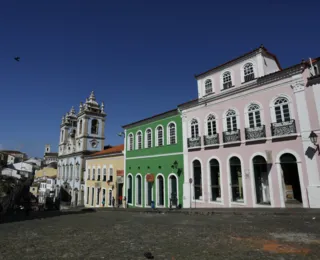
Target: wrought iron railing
(211, 140)
(231, 136)
(255, 133)
(283, 128)
(194, 142)
(249, 77)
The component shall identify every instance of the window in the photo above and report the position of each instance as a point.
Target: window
(104, 174)
(93, 174)
(254, 116)
(172, 133)
(159, 136)
(94, 126)
(88, 174)
(281, 108)
(227, 81)
(211, 125)
(98, 175)
(316, 71)
(236, 179)
(197, 177)
(71, 172)
(215, 180)
(110, 174)
(80, 127)
(139, 140)
(148, 140)
(248, 72)
(194, 128)
(208, 86)
(231, 119)
(130, 142)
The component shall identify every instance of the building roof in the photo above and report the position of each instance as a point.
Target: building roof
(240, 57)
(10, 152)
(112, 150)
(152, 118)
(51, 154)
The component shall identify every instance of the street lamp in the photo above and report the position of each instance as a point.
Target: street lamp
(313, 137)
(121, 134)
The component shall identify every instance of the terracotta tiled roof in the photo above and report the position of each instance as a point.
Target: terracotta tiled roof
(114, 149)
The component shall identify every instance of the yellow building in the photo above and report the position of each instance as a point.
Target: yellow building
(104, 178)
(49, 171)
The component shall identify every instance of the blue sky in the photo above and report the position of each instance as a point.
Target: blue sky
(139, 57)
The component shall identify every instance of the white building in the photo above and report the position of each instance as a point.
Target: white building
(80, 135)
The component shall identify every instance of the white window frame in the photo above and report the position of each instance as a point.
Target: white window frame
(206, 123)
(104, 172)
(157, 191)
(221, 78)
(246, 114)
(168, 133)
(225, 119)
(93, 176)
(136, 190)
(254, 66)
(130, 145)
(157, 137)
(109, 172)
(146, 138)
(98, 173)
(190, 127)
(137, 140)
(169, 188)
(272, 107)
(205, 86)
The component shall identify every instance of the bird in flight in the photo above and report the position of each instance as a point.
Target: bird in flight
(17, 58)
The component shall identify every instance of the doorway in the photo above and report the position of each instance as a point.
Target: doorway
(261, 178)
(291, 181)
(149, 193)
(110, 198)
(120, 187)
(173, 190)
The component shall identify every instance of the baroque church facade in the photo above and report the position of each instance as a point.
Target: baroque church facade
(81, 134)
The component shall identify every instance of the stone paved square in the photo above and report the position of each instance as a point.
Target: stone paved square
(128, 235)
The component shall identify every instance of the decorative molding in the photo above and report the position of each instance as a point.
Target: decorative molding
(298, 86)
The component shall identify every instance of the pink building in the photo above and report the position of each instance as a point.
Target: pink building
(246, 137)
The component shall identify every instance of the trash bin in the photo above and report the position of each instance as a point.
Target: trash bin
(152, 204)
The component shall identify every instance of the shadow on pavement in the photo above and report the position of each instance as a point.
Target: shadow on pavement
(22, 216)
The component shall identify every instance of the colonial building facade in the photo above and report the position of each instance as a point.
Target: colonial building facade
(246, 136)
(154, 161)
(105, 178)
(80, 134)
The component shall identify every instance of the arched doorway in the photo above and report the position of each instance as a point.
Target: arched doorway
(261, 178)
(139, 190)
(236, 179)
(197, 177)
(160, 191)
(173, 190)
(129, 194)
(148, 192)
(215, 190)
(75, 197)
(290, 174)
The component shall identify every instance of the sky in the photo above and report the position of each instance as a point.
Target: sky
(139, 57)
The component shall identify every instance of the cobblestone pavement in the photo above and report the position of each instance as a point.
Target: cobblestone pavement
(128, 235)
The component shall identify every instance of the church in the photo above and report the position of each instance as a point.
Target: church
(81, 134)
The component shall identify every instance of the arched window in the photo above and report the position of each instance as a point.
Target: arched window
(138, 190)
(159, 136)
(194, 128)
(226, 79)
(197, 177)
(215, 180)
(281, 109)
(254, 116)
(148, 141)
(94, 126)
(110, 174)
(208, 86)
(99, 174)
(130, 142)
(236, 179)
(139, 140)
(80, 127)
(171, 133)
(248, 72)
(231, 120)
(104, 174)
(211, 125)
(93, 174)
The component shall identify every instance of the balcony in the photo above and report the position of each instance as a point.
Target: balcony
(211, 140)
(283, 128)
(194, 142)
(249, 77)
(258, 132)
(231, 136)
(227, 85)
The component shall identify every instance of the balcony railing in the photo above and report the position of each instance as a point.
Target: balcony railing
(194, 142)
(211, 140)
(255, 133)
(283, 128)
(249, 77)
(231, 136)
(227, 85)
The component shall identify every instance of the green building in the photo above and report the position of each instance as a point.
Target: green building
(154, 161)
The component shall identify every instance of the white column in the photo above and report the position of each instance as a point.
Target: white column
(316, 92)
(305, 127)
(124, 193)
(186, 185)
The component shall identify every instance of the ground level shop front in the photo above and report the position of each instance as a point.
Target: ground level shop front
(158, 179)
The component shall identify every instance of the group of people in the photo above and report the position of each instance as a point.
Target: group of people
(113, 201)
